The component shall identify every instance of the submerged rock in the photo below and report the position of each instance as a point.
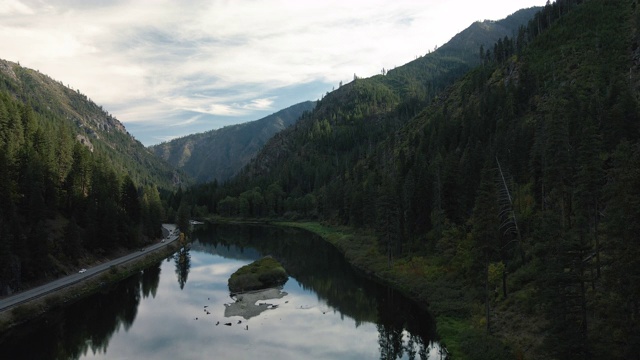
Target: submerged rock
(260, 274)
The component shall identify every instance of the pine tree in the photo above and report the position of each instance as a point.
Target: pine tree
(485, 224)
(388, 219)
(622, 279)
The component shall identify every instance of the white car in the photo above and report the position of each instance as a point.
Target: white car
(82, 271)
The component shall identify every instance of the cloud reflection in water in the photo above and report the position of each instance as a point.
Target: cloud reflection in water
(165, 326)
(330, 311)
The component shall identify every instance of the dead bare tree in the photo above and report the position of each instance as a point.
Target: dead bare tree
(508, 219)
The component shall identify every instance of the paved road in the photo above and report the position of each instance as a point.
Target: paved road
(169, 233)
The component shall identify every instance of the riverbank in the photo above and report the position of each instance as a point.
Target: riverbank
(32, 309)
(417, 278)
(459, 317)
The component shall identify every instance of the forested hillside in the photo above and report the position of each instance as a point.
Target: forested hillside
(348, 124)
(418, 81)
(217, 155)
(67, 184)
(516, 191)
(89, 122)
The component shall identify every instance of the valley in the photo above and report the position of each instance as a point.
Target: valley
(493, 182)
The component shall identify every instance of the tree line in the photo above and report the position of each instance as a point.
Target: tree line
(60, 201)
(523, 177)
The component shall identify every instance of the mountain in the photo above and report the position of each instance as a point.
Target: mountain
(349, 122)
(435, 70)
(98, 130)
(220, 154)
(507, 201)
(529, 164)
(74, 185)
(207, 156)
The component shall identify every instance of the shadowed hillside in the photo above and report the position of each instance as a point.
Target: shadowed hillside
(220, 154)
(506, 200)
(74, 185)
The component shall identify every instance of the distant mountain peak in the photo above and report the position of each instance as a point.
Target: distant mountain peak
(219, 154)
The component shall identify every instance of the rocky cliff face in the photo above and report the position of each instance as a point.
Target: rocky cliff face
(94, 127)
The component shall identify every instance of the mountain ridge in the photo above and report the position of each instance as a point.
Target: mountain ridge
(461, 53)
(506, 201)
(219, 154)
(93, 126)
(401, 93)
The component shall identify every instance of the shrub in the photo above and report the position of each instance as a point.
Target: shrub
(261, 274)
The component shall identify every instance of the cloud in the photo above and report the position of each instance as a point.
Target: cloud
(11, 7)
(146, 61)
(258, 104)
(188, 121)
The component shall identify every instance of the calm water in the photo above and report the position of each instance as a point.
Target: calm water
(328, 312)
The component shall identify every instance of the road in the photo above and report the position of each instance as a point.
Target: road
(169, 234)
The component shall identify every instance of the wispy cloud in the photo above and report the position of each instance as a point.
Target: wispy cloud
(147, 61)
(258, 104)
(188, 121)
(12, 7)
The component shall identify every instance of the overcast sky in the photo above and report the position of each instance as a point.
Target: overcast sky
(171, 68)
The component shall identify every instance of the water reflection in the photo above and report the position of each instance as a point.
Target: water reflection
(182, 259)
(405, 329)
(150, 280)
(254, 303)
(84, 327)
(329, 311)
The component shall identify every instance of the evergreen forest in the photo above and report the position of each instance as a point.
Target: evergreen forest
(64, 202)
(495, 180)
(510, 197)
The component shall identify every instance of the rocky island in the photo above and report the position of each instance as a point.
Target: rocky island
(261, 274)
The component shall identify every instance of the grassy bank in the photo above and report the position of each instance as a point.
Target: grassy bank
(32, 309)
(458, 317)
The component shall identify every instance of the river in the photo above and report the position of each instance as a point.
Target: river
(181, 308)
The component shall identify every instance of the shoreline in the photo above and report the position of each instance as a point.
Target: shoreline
(412, 277)
(33, 308)
(402, 275)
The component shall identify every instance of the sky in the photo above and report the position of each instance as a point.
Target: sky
(166, 69)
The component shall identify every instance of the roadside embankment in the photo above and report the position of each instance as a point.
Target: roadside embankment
(32, 309)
